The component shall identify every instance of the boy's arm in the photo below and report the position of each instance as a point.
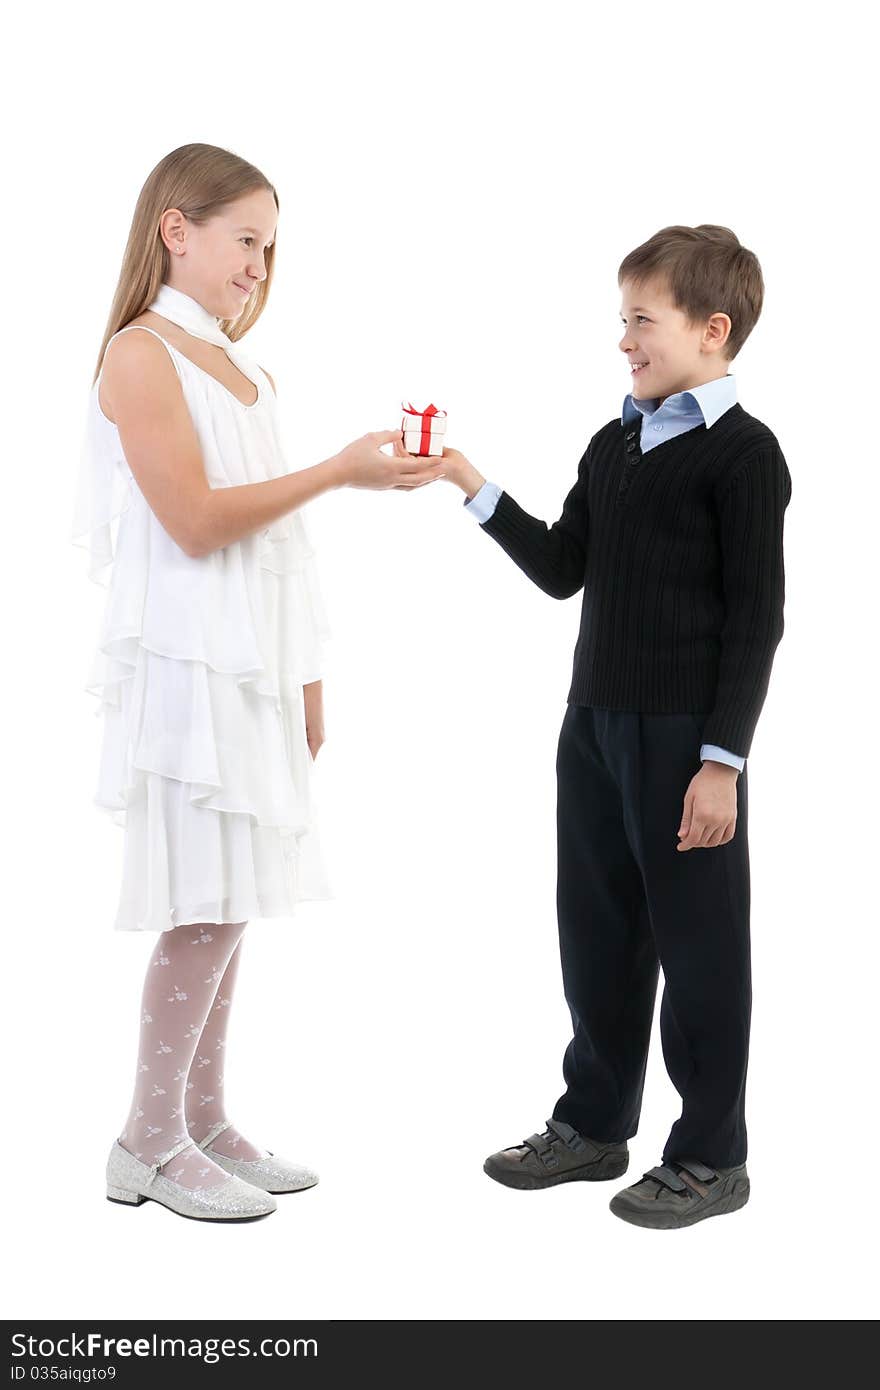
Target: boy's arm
(483, 504)
(751, 514)
(554, 557)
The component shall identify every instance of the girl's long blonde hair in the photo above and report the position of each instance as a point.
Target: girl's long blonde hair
(200, 180)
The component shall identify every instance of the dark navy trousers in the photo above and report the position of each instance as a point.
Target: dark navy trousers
(629, 904)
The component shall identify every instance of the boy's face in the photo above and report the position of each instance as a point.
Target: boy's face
(679, 355)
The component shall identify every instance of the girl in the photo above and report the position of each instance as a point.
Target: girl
(209, 661)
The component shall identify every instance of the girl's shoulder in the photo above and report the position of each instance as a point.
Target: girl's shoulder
(119, 359)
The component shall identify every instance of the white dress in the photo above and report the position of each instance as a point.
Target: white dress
(199, 672)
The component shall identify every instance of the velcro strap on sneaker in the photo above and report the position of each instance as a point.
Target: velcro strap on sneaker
(539, 1143)
(697, 1169)
(567, 1134)
(669, 1179)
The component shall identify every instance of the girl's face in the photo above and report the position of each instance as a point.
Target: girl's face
(678, 354)
(224, 260)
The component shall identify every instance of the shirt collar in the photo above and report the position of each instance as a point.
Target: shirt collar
(709, 401)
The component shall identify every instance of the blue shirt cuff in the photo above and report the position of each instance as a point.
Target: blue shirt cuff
(484, 502)
(720, 755)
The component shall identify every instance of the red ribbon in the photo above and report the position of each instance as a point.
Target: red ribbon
(425, 416)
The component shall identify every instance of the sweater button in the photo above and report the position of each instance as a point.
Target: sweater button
(631, 435)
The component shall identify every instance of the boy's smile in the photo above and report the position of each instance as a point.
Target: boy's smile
(666, 352)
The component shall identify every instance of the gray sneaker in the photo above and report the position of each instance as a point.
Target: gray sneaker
(560, 1154)
(681, 1192)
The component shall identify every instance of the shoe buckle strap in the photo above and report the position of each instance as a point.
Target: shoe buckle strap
(213, 1132)
(540, 1146)
(698, 1170)
(567, 1134)
(667, 1177)
(166, 1158)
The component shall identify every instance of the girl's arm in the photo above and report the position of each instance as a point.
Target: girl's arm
(162, 449)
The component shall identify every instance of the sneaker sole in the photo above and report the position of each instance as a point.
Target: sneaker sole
(608, 1165)
(666, 1220)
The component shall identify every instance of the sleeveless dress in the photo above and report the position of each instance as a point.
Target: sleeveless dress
(198, 671)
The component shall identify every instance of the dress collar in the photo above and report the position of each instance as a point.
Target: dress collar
(190, 315)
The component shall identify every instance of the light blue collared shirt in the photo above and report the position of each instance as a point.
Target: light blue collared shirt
(677, 414)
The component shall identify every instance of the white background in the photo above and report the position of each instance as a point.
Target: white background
(458, 186)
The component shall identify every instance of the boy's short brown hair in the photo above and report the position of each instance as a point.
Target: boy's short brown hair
(706, 271)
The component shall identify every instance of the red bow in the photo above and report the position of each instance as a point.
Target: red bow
(425, 416)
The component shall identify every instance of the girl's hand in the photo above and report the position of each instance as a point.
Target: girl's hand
(313, 699)
(362, 464)
(456, 469)
(430, 469)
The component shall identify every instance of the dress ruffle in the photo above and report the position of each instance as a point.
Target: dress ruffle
(198, 673)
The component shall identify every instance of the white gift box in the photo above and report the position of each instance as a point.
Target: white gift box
(423, 430)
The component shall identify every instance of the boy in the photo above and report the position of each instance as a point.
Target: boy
(674, 530)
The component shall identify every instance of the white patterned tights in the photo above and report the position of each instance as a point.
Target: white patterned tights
(179, 1080)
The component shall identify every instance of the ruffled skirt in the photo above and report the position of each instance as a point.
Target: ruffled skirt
(187, 863)
(199, 673)
(211, 782)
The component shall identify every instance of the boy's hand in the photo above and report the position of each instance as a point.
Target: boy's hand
(709, 816)
(456, 469)
(461, 471)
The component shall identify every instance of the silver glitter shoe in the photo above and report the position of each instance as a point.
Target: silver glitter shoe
(272, 1174)
(132, 1182)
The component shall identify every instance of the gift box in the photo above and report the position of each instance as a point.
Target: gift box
(423, 430)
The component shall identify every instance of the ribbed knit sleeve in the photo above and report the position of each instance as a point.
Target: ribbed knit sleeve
(678, 551)
(553, 557)
(751, 511)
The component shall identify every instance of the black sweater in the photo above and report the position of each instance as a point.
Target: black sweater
(679, 553)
